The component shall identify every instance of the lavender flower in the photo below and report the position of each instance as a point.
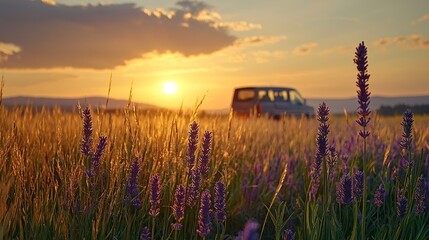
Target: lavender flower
(204, 217)
(250, 231)
(401, 204)
(132, 185)
(95, 159)
(155, 199)
(204, 157)
(86, 144)
(179, 207)
(361, 62)
(145, 234)
(344, 190)
(288, 234)
(192, 145)
(322, 140)
(358, 184)
(219, 201)
(194, 186)
(420, 196)
(331, 160)
(379, 196)
(407, 125)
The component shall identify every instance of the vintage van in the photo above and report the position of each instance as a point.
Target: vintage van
(273, 102)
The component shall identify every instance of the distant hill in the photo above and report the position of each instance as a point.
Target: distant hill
(335, 105)
(70, 103)
(351, 104)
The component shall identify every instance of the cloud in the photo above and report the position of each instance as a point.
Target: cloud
(259, 40)
(304, 49)
(104, 36)
(238, 26)
(411, 41)
(421, 19)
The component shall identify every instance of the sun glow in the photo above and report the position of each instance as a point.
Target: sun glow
(170, 88)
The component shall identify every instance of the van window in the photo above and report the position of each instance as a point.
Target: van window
(245, 95)
(266, 96)
(280, 96)
(295, 98)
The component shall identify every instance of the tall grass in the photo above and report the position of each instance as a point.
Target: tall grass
(158, 177)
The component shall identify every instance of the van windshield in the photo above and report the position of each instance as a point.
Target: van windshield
(296, 98)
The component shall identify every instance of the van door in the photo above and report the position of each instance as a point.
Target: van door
(244, 101)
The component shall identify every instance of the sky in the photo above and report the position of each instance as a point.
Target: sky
(71, 48)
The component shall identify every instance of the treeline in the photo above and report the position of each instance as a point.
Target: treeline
(400, 108)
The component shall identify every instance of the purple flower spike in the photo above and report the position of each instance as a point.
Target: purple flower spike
(194, 186)
(250, 231)
(145, 234)
(379, 196)
(95, 160)
(132, 185)
(401, 204)
(192, 145)
(204, 157)
(407, 124)
(204, 217)
(219, 201)
(179, 207)
(155, 198)
(358, 184)
(361, 62)
(420, 196)
(86, 144)
(344, 190)
(322, 142)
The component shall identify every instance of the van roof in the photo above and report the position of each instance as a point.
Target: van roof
(265, 88)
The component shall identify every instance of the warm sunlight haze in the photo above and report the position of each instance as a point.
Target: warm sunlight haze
(169, 88)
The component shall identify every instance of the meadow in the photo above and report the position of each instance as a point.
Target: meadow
(130, 174)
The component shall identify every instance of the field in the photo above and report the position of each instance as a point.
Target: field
(48, 190)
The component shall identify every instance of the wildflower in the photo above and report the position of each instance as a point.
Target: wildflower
(204, 157)
(192, 145)
(179, 207)
(86, 144)
(407, 138)
(219, 201)
(407, 125)
(322, 139)
(95, 159)
(145, 234)
(401, 204)
(379, 196)
(193, 193)
(331, 161)
(361, 62)
(358, 184)
(132, 185)
(344, 190)
(420, 196)
(155, 200)
(250, 231)
(204, 217)
(288, 234)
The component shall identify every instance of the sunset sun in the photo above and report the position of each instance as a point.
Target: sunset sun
(170, 88)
